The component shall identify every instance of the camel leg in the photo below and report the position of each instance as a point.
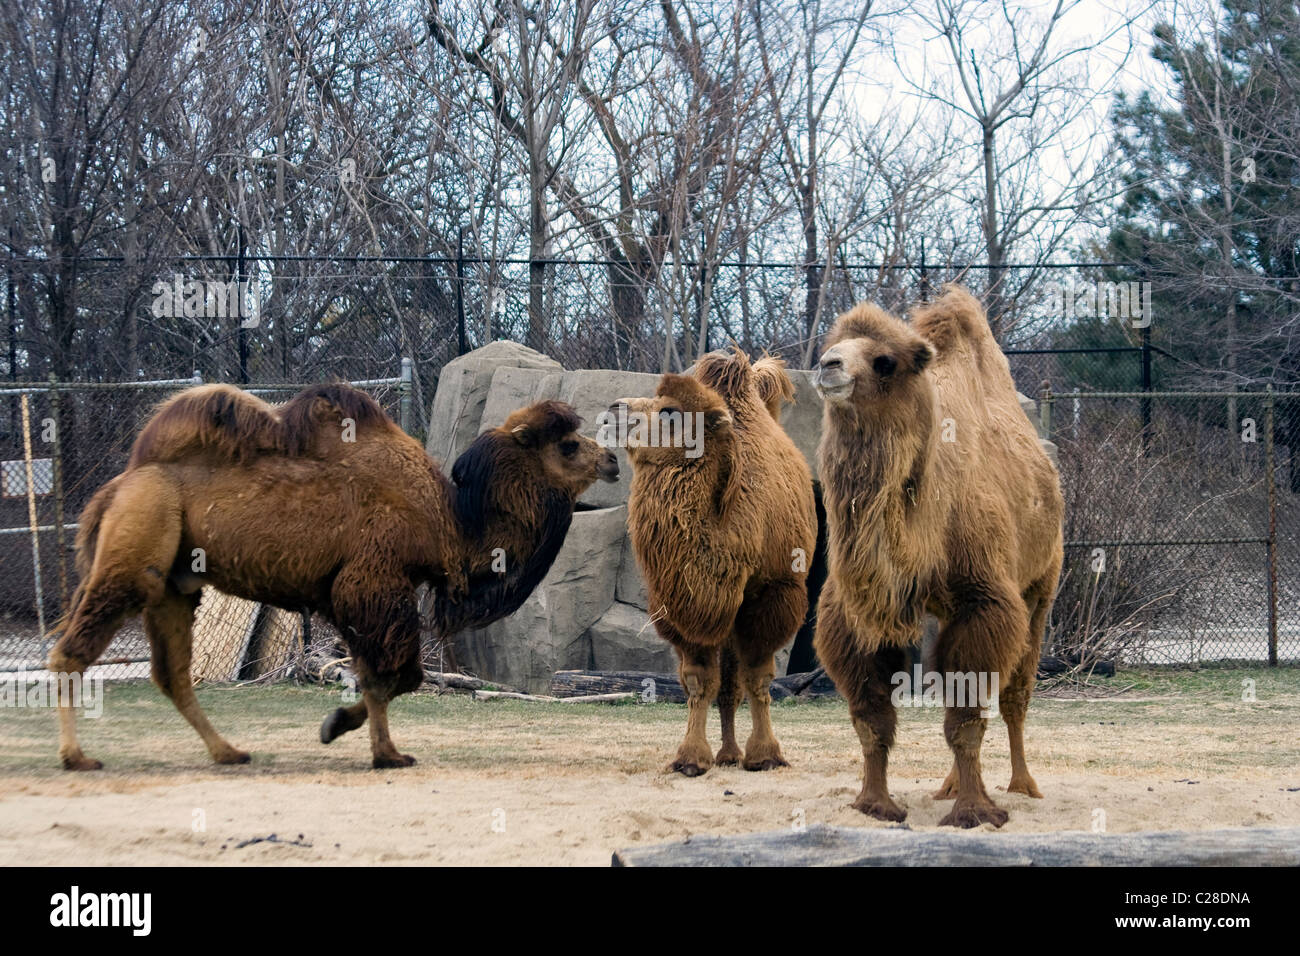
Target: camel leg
(978, 641)
(342, 720)
(698, 668)
(766, 621)
(865, 680)
(948, 789)
(169, 626)
(378, 689)
(1013, 702)
(95, 620)
(729, 697)
(762, 751)
(134, 550)
(377, 614)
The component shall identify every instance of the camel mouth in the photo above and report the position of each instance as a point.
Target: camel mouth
(607, 470)
(832, 388)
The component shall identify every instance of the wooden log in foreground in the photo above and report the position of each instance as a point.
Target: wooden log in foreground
(899, 846)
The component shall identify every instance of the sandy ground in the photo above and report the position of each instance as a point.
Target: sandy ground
(509, 782)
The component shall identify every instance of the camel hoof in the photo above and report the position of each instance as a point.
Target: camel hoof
(334, 726)
(885, 809)
(974, 814)
(727, 758)
(687, 768)
(396, 761)
(1028, 788)
(81, 762)
(231, 756)
(766, 763)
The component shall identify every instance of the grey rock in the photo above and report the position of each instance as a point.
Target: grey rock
(549, 632)
(631, 587)
(462, 393)
(591, 392)
(513, 388)
(623, 639)
(802, 420)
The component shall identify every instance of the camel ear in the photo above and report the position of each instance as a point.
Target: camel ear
(524, 435)
(717, 421)
(922, 356)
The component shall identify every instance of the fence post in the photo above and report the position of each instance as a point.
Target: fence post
(1045, 411)
(1271, 547)
(404, 394)
(32, 522)
(57, 454)
(925, 275)
(461, 345)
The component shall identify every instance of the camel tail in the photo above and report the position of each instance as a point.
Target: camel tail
(773, 384)
(92, 516)
(954, 316)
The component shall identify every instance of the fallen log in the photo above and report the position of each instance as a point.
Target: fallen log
(445, 680)
(538, 698)
(1049, 665)
(822, 845)
(649, 686)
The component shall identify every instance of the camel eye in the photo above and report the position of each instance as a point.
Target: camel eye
(884, 365)
(568, 448)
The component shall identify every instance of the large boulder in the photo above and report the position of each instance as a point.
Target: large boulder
(623, 639)
(631, 585)
(462, 394)
(549, 632)
(590, 392)
(802, 419)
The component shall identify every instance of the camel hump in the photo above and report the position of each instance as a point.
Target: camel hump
(331, 406)
(773, 385)
(231, 425)
(954, 316)
(219, 419)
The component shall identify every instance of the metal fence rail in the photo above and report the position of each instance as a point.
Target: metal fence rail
(1182, 524)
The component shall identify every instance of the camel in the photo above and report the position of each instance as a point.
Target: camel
(321, 504)
(939, 498)
(724, 537)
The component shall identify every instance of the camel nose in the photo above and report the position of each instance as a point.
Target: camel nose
(609, 467)
(830, 361)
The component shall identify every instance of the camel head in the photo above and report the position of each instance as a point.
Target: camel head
(870, 356)
(676, 424)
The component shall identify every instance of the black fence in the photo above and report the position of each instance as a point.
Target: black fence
(1182, 515)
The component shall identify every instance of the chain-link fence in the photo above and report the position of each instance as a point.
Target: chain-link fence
(58, 444)
(1182, 525)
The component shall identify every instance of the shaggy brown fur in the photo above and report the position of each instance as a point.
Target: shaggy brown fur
(724, 541)
(320, 504)
(938, 498)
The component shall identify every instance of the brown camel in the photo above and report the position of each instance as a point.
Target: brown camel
(723, 533)
(322, 504)
(938, 498)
